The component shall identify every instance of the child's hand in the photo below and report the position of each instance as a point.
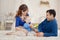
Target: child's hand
(31, 26)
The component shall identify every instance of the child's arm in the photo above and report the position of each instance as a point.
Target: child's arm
(35, 30)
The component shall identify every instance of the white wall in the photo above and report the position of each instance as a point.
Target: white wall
(7, 6)
(36, 11)
(58, 13)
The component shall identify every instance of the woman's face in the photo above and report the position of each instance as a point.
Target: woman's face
(25, 12)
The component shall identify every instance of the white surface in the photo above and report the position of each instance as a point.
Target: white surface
(18, 37)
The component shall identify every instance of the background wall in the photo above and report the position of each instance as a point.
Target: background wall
(36, 11)
(58, 13)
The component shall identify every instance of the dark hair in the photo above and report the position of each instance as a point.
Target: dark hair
(51, 11)
(23, 8)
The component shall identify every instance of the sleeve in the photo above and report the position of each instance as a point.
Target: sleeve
(40, 26)
(19, 22)
(54, 31)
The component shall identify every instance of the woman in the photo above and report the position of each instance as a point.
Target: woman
(21, 16)
(21, 19)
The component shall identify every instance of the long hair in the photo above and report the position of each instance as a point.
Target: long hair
(23, 8)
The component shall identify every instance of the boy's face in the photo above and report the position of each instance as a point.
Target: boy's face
(49, 16)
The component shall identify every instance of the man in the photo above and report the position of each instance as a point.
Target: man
(49, 26)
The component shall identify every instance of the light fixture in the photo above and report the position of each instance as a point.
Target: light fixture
(44, 2)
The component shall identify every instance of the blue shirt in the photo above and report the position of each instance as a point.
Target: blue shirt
(20, 22)
(49, 28)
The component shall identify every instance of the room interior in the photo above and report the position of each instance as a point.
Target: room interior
(37, 11)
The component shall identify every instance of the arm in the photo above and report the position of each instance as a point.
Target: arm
(53, 32)
(19, 22)
(41, 25)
